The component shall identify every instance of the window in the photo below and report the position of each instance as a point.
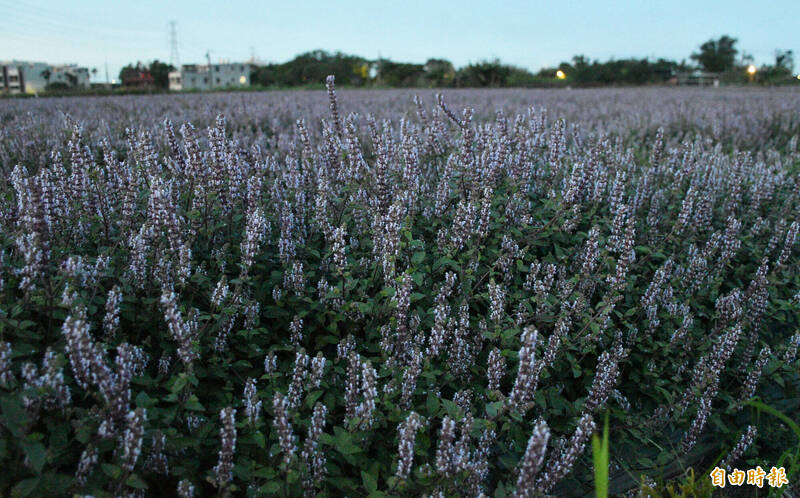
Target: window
(205, 80)
(217, 81)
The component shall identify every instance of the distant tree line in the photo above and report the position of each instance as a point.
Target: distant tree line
(158, 70)
(717, 56)
(311, 68)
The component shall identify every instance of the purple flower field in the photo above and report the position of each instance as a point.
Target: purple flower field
(398, 293)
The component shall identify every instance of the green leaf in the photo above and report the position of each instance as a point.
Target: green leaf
(260, 441)
(143, 400)
(54, 484)
(452, 409)
(432, 405)
(312, 398)
(179, 383)
(445, 261)
(271, 488)
(110, 470)
(36, 453)
(370, 481)
(493, 408)
(135, 481)
(26, 487)
(344, 444)
(13, 415)
(59, 437)
(194, 405)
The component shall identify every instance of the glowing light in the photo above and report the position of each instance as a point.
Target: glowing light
(751, 69)
(798, 76)
(242, 80)
(560, 74)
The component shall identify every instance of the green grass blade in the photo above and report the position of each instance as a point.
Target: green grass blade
(600, 458)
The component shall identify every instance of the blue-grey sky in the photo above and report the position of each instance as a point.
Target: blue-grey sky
(530, 34)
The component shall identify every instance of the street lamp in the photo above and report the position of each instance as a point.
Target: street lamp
(560, 74)
(751, 72)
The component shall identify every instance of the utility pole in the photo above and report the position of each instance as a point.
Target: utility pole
(210, 75)
(174, 60)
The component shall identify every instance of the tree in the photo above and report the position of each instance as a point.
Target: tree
(157, 69)
(784, 59)
(401, 74)
(439, 72)
(130, 71)
(717, 56)
(484, 74)
(46, 74)
(160, 73)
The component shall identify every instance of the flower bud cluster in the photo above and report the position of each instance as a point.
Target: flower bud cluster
(317, 371)
(131, 442)
(185, 489)
(111, 318)
(558, 468)
(406, 442)
(183, 332)
(313, 457)
(86, 464)
(410, 376)
(525, 385)
(741, 447)
(533, 459)
(296, 331)
(281, 406)
(227, 434)
(751, 382)
(369, 392)
(252, 405)
(157, 460)
(495, 369)
(6, 374)
(497, 296)
(299, 373)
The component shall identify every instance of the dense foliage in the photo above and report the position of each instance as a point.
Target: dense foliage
(157, 69)
(290, 297)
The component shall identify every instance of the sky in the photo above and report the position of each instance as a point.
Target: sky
(530, 34)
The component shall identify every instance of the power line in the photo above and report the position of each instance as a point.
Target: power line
(38, 17)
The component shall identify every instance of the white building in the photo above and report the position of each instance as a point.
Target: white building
(33, 77)
(205, 77)
(11, 79)
(175, 81)
(71, 74)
